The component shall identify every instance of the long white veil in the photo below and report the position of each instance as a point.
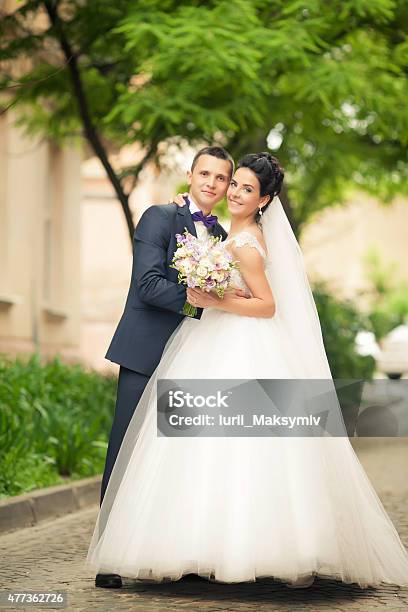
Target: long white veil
(296, 314)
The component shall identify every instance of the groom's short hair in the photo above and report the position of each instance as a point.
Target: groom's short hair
(219, 152)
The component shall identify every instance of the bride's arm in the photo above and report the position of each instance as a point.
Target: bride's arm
(261, 304)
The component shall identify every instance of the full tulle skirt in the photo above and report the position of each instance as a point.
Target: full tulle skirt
(238, 509)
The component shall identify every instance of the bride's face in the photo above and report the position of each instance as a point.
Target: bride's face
(243, 195)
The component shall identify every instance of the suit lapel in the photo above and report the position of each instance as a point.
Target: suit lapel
(218, 231)
(185, 220)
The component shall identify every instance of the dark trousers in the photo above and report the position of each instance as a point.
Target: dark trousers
(130, 388)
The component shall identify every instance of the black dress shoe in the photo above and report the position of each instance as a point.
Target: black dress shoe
(108, 581)
(194, 578)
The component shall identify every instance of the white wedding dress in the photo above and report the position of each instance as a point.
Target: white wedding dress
(236, 509)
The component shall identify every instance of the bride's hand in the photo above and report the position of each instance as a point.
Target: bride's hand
(179, 199)
(240, 293)
(202, 299)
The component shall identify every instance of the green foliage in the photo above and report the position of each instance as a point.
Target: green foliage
(54, 423)
(326, 80)
(340, 323)
(388, 297)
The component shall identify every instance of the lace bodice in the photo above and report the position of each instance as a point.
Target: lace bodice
(244, 239)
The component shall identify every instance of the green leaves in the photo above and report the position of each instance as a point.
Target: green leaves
(54, 423)
(341, 321)
(332, 74)
(386, 295)
(197, 71)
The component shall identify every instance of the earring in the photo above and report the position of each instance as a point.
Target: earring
(260, 212)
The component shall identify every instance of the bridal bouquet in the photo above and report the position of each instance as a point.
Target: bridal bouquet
(204, 264)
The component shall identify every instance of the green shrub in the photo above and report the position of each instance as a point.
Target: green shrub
(387, 296)
(340, 321)
(389, 312)
(54, 423)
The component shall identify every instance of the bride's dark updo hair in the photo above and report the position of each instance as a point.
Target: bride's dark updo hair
(269, 173)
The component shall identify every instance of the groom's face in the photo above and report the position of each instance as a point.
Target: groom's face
(209, 181)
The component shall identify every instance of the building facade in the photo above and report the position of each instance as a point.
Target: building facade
(40, 197)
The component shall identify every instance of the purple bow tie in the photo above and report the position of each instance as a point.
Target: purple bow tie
(208, 221)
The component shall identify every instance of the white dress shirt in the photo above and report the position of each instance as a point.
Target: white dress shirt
(202, 231)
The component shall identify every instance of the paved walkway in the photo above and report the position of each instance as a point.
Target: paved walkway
(50, 557)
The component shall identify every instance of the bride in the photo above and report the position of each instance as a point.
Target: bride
(233, 509)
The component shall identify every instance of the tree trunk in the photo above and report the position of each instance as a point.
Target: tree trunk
(90, 132)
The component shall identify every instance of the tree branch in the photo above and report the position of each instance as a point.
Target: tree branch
(135, 170)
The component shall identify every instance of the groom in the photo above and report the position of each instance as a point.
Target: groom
(154, 305)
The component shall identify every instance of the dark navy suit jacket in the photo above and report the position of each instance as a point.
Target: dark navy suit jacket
(155, 299)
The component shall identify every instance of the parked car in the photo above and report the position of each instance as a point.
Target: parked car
(366, 344)
(392, 358)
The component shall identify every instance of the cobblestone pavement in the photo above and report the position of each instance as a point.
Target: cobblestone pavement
(51, 557)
